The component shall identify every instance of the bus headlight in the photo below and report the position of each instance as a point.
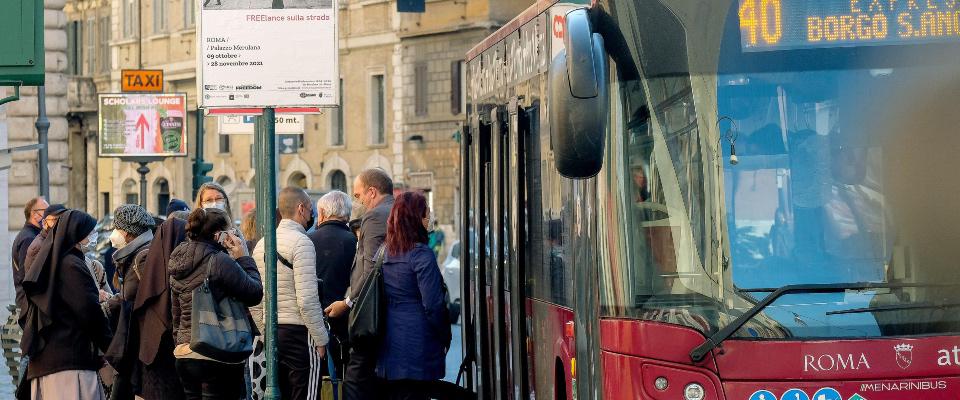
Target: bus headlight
(693, 391)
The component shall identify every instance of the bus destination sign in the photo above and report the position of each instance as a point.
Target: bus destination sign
(796, 24)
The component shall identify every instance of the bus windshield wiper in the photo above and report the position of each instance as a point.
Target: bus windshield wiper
(896, 307)
(700, 352)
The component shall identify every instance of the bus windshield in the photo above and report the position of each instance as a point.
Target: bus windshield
(844, 169)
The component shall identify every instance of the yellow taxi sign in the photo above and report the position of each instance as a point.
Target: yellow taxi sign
(141, 80)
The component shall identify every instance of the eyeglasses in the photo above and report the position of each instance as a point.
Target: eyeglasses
(39, 210)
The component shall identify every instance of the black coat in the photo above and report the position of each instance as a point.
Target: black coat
(20, 245)
(228, 277)
(64, 326)
(336, 246)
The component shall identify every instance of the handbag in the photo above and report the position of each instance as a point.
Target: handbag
(219, 329)
(367, 317)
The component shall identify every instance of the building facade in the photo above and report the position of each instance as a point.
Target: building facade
(17, 128)
(434, 46)
(402, 92)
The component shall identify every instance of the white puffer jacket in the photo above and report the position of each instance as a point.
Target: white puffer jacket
(298, 298)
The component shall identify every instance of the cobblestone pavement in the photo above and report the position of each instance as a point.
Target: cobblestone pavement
(6, 297)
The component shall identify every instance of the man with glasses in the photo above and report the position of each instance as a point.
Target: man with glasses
(33, 214)
(373, 193)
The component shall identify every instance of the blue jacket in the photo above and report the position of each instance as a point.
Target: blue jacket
(418, 326)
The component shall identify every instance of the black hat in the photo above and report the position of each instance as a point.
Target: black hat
(177, 205)
(54, 209)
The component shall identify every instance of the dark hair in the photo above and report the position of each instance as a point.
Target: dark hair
(203, 223)
(405, 225)
(378, 179)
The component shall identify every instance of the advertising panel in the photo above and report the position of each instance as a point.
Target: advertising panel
(143, 125)
(268, 53)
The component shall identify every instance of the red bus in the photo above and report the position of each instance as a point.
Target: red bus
(725, 199)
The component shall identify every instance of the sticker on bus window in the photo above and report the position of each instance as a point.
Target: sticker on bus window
(762, 395)
(795, 394)
(827, 394)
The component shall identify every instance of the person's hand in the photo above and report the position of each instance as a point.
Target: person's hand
(322, 351)
(104, 296)
(236, 247)
(336, 309)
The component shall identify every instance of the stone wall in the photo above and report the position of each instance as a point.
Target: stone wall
(436, 159)
(22, 114)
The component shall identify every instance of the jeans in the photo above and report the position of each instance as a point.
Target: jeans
(211, 380)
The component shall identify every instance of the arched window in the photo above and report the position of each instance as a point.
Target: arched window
(338, 181)
(297, 179)
(225, 181)
(162, 188)
(131, 193)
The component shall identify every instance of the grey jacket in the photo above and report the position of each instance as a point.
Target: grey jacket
(373, 231)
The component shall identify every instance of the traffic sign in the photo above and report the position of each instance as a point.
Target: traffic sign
(141, 80)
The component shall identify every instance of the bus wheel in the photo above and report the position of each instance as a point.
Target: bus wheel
(560, 383)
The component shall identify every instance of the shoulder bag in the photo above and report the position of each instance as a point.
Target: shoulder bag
(367, 317)
(219, 329)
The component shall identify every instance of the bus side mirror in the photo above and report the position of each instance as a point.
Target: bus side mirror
(580, 106)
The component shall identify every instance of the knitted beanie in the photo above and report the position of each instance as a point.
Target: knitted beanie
(132, 219)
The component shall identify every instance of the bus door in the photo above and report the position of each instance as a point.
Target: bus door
(517, 148)
(480, 274)
(492, 197)
(500, 193)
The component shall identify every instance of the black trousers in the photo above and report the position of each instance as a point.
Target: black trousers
(298, 364)
(337, 348)
(211, 380)
(360, 381)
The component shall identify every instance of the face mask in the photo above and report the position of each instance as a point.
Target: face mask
(220, 205)
(118, 239)
(310, 222)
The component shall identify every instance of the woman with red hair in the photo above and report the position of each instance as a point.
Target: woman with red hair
(417, 322)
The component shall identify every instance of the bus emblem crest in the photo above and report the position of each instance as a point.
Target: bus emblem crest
(904, 355)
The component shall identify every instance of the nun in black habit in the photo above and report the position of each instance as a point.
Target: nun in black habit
(65, 329)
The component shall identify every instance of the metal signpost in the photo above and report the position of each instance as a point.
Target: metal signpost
(255, 58)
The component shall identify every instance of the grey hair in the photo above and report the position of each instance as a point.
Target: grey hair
(335, 204)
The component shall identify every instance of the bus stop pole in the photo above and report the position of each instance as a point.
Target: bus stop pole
(265, 140)
(43, 127)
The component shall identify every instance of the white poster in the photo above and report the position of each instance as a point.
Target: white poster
(246, 124)
(268, 53)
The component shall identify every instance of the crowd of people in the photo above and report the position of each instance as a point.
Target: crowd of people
(176, 311)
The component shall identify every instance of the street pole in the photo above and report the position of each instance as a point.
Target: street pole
(265, 145)
(143, 171)
(199, 145)
(43, 127)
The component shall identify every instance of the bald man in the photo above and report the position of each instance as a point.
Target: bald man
(301, 333)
